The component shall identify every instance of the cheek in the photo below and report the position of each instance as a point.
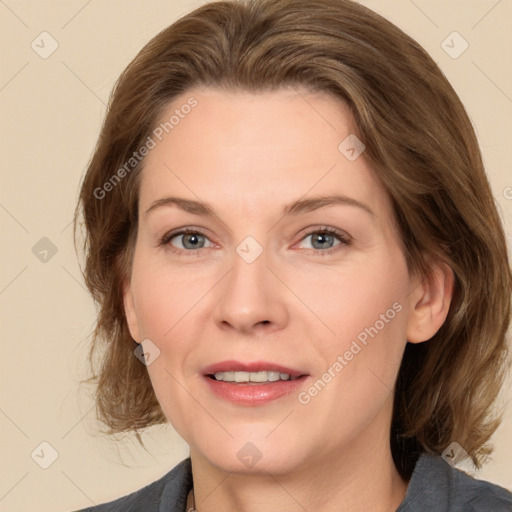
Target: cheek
(163, 295)
(364, 308)
(360, 354)
(350, 299)
(164, 302)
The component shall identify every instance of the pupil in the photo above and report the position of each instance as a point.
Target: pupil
(323, 237)
(192, 236)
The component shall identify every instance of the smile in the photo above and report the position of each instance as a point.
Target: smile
(263, 376)
(252, 384)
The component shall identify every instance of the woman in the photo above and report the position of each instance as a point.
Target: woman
(299, 265)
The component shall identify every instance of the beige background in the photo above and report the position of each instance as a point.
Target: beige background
(51, 110)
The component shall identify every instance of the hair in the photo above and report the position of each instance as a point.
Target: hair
(420, 144)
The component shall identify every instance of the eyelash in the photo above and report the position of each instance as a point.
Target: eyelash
(345, 240)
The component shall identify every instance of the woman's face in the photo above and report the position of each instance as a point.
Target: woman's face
(259, 285)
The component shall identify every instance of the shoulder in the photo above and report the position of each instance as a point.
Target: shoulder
(169, 493)
(436, 486)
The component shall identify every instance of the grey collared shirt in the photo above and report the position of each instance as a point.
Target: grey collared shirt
(434, 486)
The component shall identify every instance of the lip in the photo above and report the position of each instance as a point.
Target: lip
(252, 394)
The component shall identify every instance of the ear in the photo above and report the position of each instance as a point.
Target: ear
(129, 311)
(429, 303)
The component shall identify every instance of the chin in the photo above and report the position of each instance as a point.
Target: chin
(246, 454)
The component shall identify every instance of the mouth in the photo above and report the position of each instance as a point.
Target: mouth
(254, 383)
(260, 377)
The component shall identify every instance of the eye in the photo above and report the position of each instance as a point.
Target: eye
(323, 240)
(192, 241)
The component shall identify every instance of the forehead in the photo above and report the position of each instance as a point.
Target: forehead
(254, 148)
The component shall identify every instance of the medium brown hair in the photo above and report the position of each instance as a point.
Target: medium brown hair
(419, 142)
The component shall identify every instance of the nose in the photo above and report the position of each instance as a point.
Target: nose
(252, 298)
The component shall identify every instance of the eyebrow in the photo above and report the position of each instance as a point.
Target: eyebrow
(295, 208)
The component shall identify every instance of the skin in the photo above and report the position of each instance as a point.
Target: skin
(248, 155)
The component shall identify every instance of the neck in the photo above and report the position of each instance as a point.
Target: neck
(364, 478)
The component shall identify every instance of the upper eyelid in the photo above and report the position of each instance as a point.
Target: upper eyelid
(333, 231)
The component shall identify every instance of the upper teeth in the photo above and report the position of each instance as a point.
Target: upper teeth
(252, 376)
